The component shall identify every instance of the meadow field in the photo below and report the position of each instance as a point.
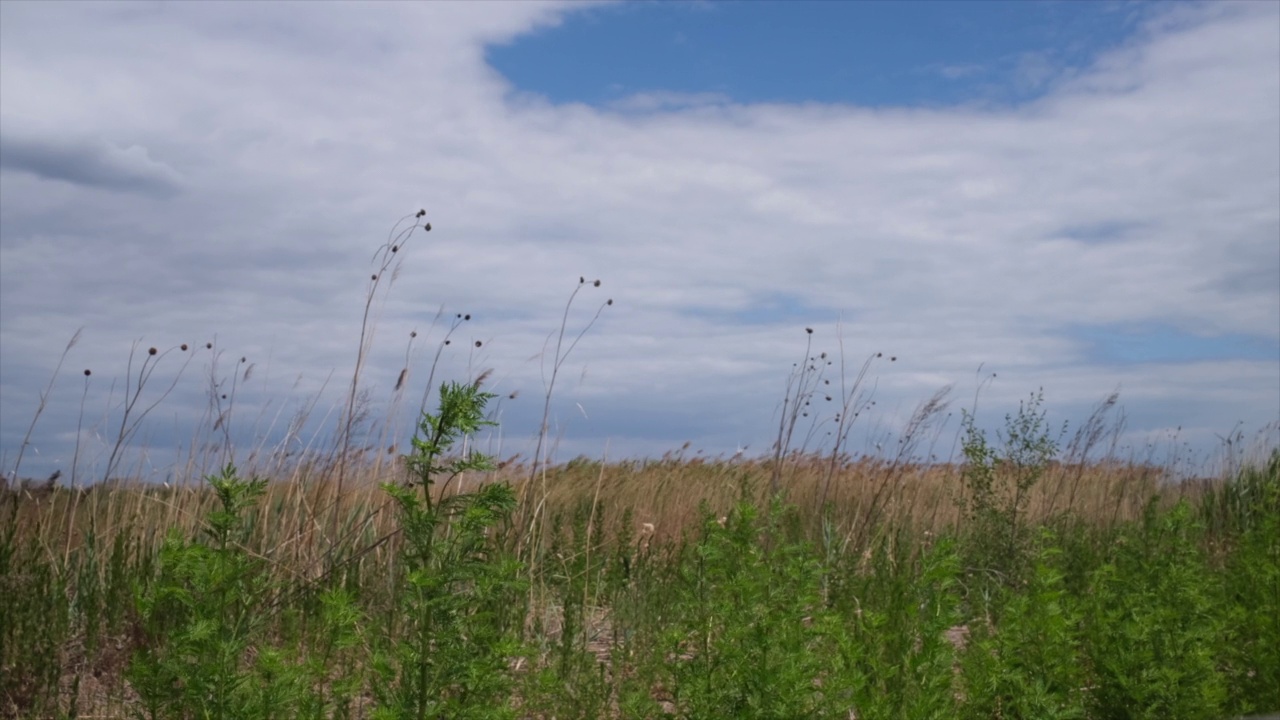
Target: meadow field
(1011, 585)
(1034, 575)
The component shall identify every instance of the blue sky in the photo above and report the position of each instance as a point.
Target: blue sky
(871, 54)
(1075, 196)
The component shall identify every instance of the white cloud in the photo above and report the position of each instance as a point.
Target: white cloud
(299, 133)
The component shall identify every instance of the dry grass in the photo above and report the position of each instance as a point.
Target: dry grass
(662, 498)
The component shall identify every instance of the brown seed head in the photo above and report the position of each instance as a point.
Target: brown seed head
(208, 346)
(395, 248)
(467, 316)
(809, 330)
(413, 333)
(609, 301)
(184, 347)
(477, 343)
(596, 283)
(373, 277)
(87, 372)
(427, 227)
(152, 351)
(421, 213)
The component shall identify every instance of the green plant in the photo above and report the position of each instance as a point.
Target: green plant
(460, 595)
(200, 620)
(1246, 514)
(33, 623)
(997, 485)
(1030, 666)
(1156, 629)
(750, 636)
(898, 605)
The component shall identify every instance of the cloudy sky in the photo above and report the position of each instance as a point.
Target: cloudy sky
(1083, 197)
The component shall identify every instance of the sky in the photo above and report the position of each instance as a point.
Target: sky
(996, 198)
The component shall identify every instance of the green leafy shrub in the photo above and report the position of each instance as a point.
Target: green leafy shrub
(461, 596)
(997, 485)
(202, 655)
(1252, 585)
(899, 608)
(1156, 624)
(1030, 666)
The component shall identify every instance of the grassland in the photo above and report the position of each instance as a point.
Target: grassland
(1033, 577)
(672, 588)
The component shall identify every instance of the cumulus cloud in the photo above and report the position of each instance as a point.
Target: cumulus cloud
(1139, 189)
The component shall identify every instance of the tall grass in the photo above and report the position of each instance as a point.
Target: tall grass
(1041, 575)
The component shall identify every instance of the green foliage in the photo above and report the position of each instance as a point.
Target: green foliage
(1251, 578)
(202, 617)
(997, 484)
(749, 636)
(900, 606)
(460, 601)
(33, 625)
(1176, 615)
(1156, 624)
(461, 414)
(1031, 665)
